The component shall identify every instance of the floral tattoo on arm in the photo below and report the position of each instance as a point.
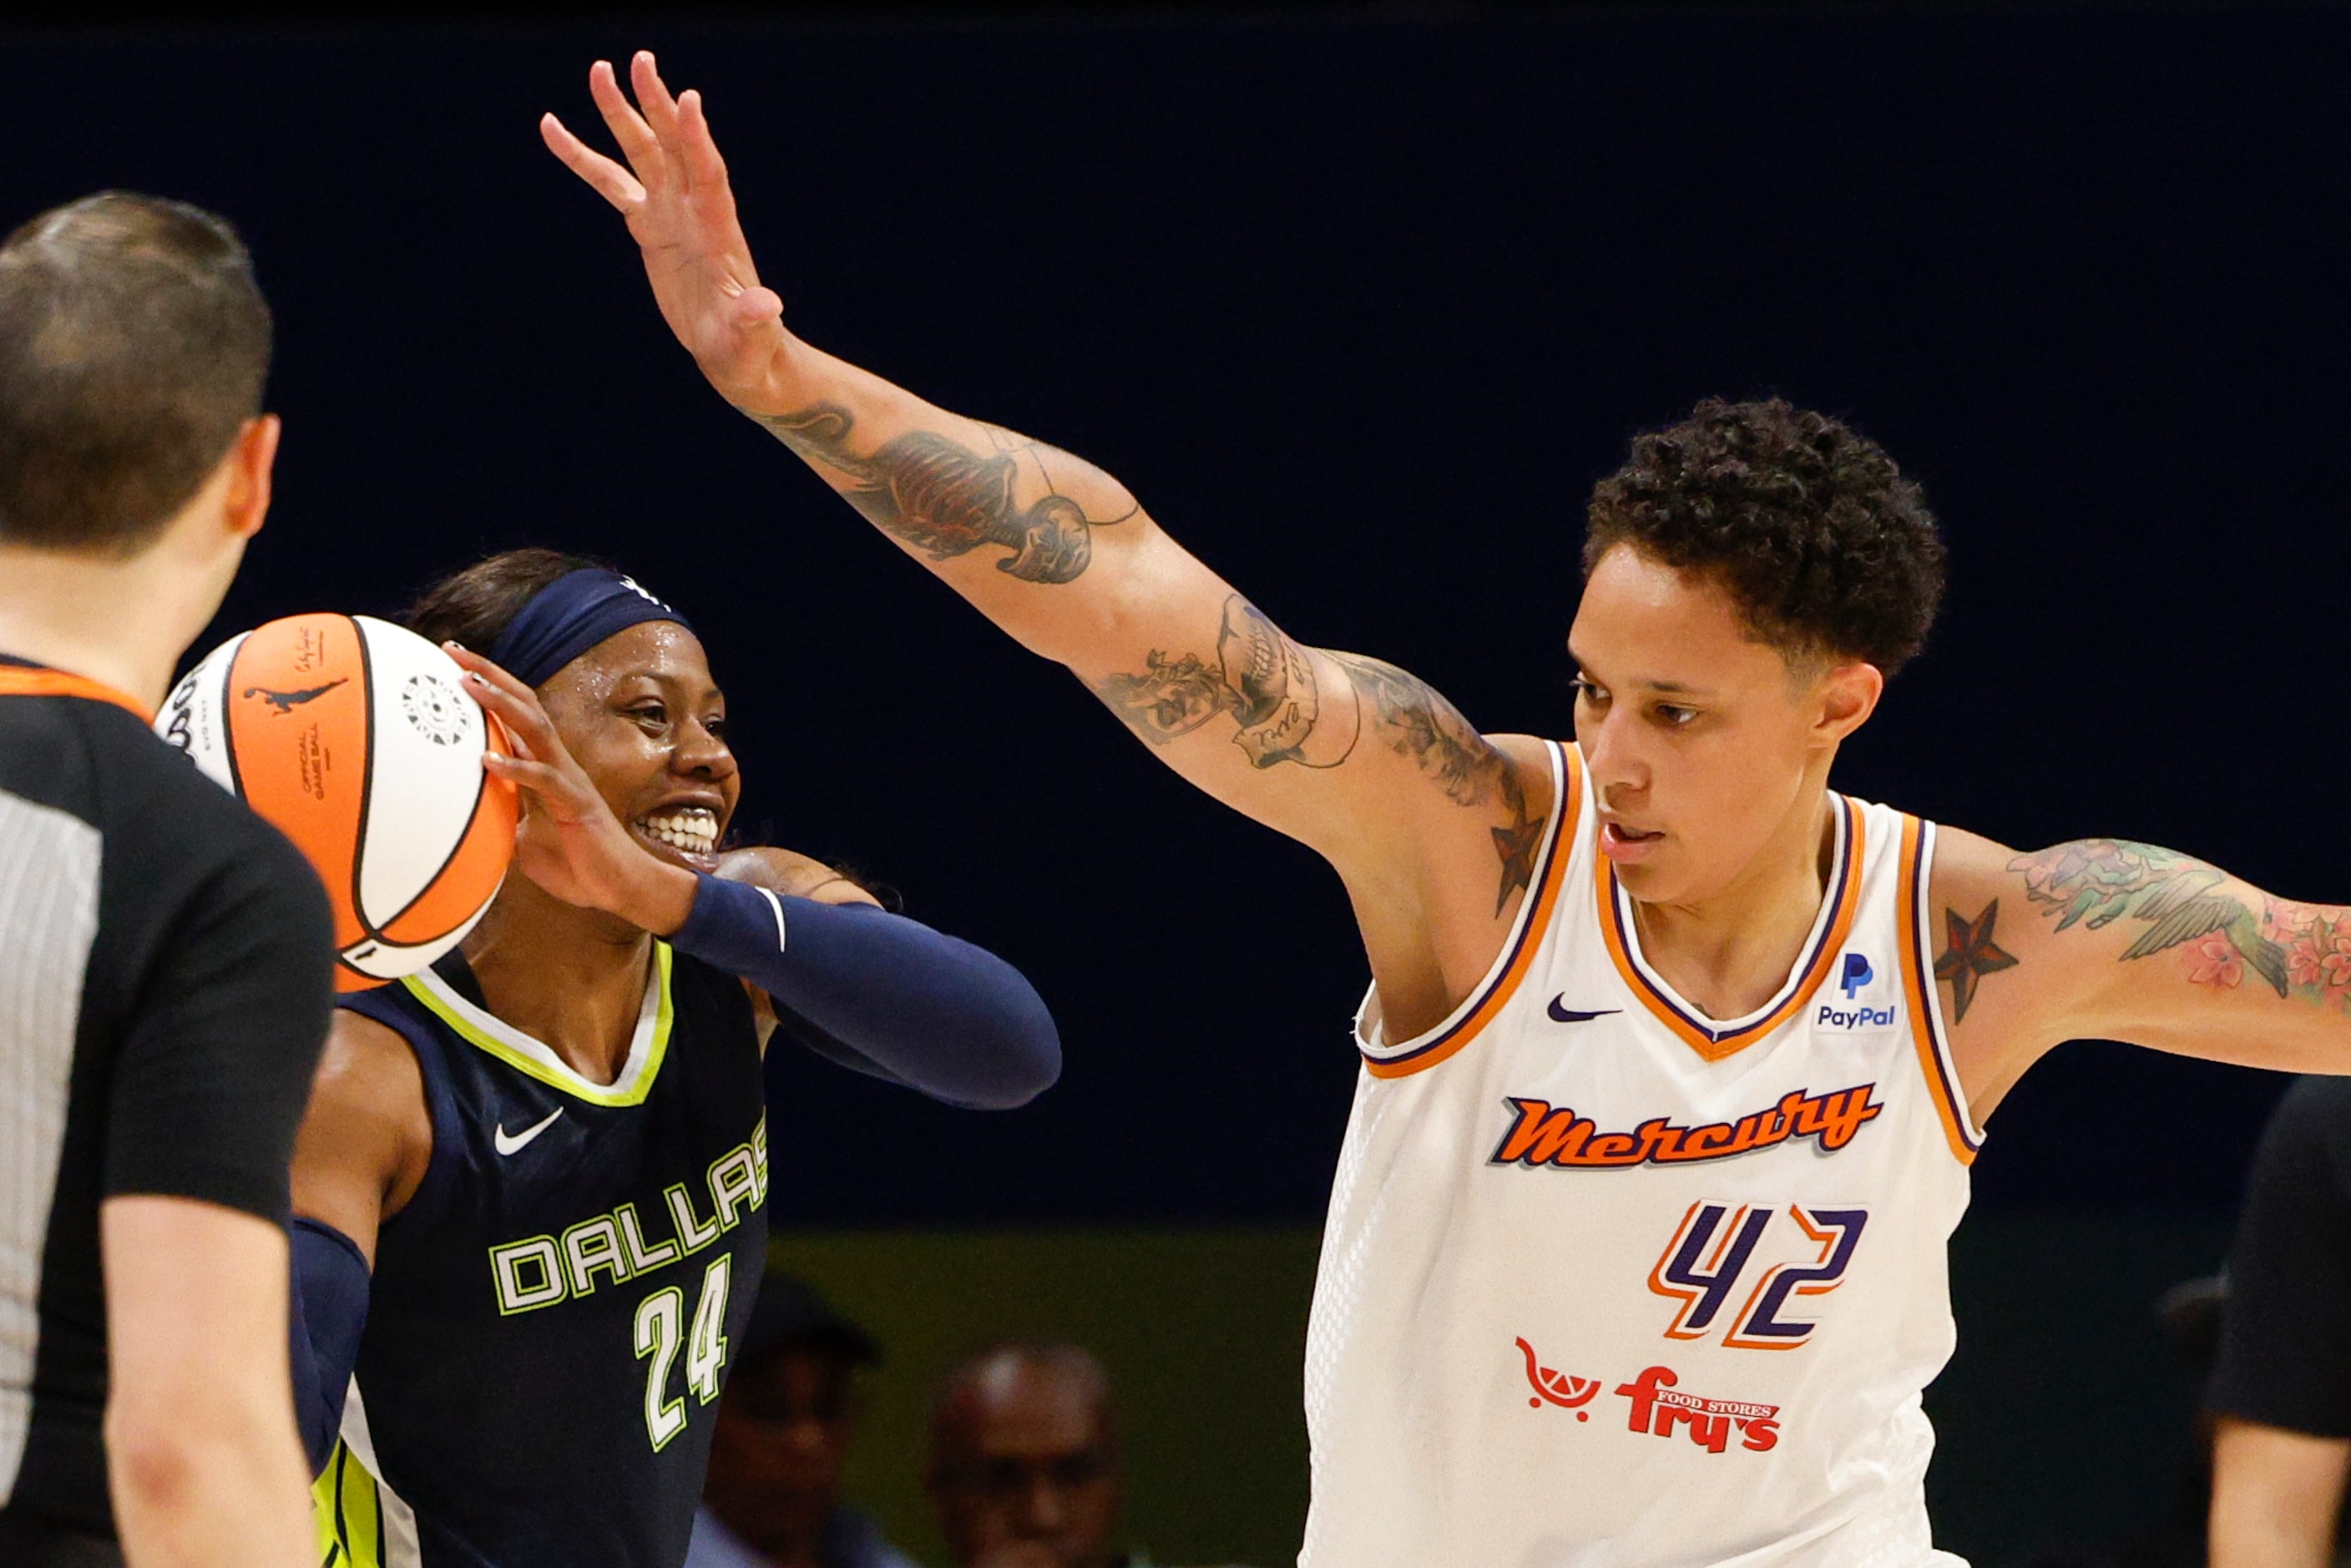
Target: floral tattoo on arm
(2223, 934)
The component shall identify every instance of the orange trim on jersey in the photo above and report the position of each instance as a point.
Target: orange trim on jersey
(1716, 1044)
(1544, 898)
(1910, 920)
(22, 680)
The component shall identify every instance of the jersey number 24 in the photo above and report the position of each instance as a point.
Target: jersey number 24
(661, 1325)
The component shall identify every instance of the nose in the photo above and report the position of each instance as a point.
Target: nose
(1045, 1512)
(701, 752)
(1612, 752)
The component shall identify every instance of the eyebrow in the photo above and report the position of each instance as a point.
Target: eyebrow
(1672, 688)
(664, 678)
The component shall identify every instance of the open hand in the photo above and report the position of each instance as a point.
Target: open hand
(674, 195)
(568, 841)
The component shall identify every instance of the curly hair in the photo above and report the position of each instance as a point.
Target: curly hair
(1815, 534)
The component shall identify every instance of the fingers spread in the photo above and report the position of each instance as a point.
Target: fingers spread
(536, 777)
(607, 179)
(492, 674)
(638, 143)
(507, 698)
(697, 149)
(652, 95)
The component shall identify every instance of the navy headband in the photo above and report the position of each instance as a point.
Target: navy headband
(570, 616)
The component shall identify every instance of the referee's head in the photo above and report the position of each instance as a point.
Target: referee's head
(134, 346)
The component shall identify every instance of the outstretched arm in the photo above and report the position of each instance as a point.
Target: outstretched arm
(1355, 758)
(2110, 939)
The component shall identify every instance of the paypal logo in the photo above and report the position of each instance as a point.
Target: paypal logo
(1853, 975)
(1857, 973)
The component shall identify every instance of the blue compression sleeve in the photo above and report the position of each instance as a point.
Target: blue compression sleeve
(329, 1309)
(882, 994)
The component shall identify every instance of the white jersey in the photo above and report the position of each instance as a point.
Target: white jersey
(1607, 1283)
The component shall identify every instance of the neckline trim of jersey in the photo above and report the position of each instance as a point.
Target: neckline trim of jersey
(1717, 1039)
(1462, 1025)
(40, 681)
(534, 1057)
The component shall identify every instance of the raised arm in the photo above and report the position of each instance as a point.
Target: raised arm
(1432, 824)
(2109, 939)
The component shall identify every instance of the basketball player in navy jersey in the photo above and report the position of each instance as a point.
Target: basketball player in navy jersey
(1673, 1058)
(532, 1188)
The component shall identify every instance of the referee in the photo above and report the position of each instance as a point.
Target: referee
(2280, 1394)
(164, 956)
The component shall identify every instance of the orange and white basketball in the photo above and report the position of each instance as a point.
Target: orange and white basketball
(353, 737)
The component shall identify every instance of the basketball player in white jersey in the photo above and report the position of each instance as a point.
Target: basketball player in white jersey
(1673, 1058)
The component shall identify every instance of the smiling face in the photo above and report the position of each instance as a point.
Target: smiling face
(1705, 745)
(642, 715)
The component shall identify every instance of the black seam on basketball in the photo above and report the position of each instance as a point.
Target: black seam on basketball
(367, 797)
(227, 729)
(472, 814)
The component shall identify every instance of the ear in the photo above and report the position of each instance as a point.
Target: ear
(250, 461)
(1845, 695)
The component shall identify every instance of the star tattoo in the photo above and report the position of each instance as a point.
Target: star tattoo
(1516, 844)
(1970, 956)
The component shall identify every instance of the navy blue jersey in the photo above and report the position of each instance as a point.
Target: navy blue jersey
(549, 1318)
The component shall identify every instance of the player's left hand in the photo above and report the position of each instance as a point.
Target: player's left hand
(681, 211)
(568, 841)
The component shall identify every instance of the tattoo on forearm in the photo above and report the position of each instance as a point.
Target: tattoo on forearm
(1266, 682)
(949, 500)
(2297, 949)
(1969, 954)
(1261, 679)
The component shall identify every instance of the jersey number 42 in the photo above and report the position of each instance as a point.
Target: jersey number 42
(1705, 1263)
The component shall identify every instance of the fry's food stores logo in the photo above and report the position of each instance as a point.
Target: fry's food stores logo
(1658, 1405)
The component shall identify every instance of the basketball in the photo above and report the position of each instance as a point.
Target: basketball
(353, 737)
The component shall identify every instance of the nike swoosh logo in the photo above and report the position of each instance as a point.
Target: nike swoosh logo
(508, 1145)
(1560, 1012)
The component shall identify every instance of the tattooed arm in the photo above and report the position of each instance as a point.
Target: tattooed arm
(2108, 939)
(1433, 825)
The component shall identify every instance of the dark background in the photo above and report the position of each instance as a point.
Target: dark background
(1361, 304)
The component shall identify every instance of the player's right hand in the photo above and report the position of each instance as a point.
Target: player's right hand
(569, 841)
(679, 210)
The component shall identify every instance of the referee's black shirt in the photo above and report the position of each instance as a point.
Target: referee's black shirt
(165, 981)
(2285, 1325)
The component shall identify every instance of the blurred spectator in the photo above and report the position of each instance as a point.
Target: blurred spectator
(772, 1499)
(2283, 1389)
(1024, 1461)
(2190, 1314)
